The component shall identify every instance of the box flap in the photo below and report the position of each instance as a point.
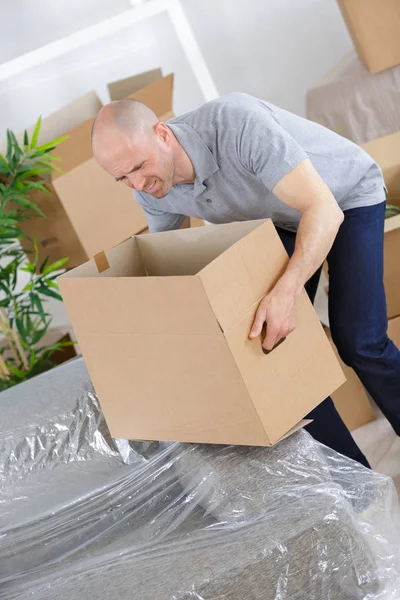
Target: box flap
(126, 87)
(138, 305)
(157, 96)
(102, 211)
(68, 117)
(297, 427)
(60, 122)
(123, 260)
(236, 281)
(76, 149)
(188, 251)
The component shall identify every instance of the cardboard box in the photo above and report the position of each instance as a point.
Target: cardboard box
(87, 211)
(392, 266)
(386, 152)
(351, 399)
(163, 321)
(374, 27)
(394, 331)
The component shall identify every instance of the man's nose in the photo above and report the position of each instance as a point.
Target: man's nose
(136, 181)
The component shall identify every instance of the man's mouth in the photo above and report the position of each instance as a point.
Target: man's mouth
(151, 187)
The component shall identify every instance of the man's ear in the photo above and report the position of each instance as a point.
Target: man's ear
(162, 131)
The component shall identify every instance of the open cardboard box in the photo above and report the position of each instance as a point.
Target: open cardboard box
(374, 28)
(87, 210)
(163, 321)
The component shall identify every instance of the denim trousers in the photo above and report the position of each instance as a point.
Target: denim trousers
(358, 322)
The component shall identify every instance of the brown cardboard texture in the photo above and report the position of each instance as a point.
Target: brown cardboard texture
(351, 400)
(394, 331)
(392, 265)
(374, 27)
(386, 152)
(56, 234)
(102, 211)
(164, 333)
(126, 87)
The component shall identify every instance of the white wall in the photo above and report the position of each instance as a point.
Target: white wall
(274, 49)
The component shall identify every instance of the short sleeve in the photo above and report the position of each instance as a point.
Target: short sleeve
(158, 220)
(266, 148)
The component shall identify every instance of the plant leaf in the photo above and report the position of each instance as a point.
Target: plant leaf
(36, 302)
(36, 131)
(22, 201)
(51, 145)
(49, 292)
(55, 266)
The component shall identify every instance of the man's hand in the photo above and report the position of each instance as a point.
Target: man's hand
(277, 310)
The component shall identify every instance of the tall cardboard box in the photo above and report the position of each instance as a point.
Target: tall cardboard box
(102, 211)
(392, 266)
(351, 400)
(386, 152)
(163, 321)
(374, 27)
(394, 331)
(87, 210)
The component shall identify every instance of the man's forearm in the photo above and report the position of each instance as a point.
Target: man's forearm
(316, 233)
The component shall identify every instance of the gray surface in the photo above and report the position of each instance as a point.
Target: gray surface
(357, 104)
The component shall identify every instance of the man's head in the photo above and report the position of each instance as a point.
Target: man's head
(131, 144)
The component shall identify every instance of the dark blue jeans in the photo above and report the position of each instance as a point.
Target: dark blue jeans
(358, 321)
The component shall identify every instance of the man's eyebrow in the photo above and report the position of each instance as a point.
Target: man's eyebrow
(135, 168)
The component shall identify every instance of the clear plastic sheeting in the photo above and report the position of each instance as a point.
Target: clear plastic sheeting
(85, 516)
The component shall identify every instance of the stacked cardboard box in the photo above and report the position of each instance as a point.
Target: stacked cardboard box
(351, 399)
(374, 27)
(386, 152)
(87, 211)
(163, 322)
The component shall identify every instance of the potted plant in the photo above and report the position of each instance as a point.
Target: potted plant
(24, 321)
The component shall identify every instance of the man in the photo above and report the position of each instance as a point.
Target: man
(238, 158)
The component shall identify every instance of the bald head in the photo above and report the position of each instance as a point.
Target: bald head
(125, 117)
(131, 144)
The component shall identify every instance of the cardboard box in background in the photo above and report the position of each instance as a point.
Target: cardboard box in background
(374, 27)
(57, 236)
(394, 331)
(392, 266)
(163, 328)
(386, 152)
(87, 211)
(351, 400)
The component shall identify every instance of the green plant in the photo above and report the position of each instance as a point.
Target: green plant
(23, 319)
(391, 210)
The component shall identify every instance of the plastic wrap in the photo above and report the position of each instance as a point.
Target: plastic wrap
(85, 516)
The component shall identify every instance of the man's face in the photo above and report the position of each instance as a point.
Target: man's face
(144, 163)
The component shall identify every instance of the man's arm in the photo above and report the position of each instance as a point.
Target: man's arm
(304, 190)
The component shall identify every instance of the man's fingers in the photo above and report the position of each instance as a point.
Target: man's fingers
(258, 323)
(271, 338)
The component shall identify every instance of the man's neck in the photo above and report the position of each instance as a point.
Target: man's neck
(184, 170)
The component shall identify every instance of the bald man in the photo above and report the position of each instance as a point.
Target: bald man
(238, 158)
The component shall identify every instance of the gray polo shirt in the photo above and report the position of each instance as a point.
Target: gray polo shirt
(240, 148)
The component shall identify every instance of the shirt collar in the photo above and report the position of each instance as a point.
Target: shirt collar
(200, 155)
